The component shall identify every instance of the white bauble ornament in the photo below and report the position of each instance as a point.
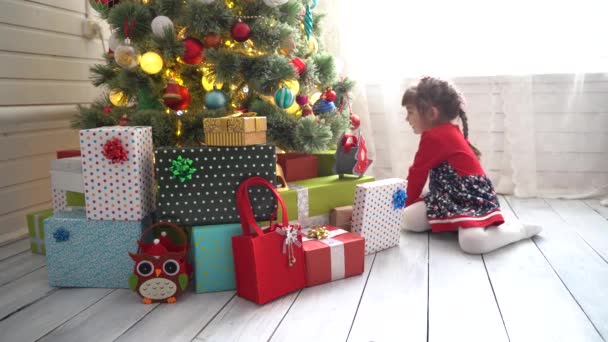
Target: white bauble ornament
(160, 24)
(275, 3)
(113, 42)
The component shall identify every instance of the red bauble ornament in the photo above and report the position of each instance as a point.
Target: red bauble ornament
(240, 31)
(171, 95)
(124, 120)
(107, 110)
(185, 102)
(330, 95)
(212, 40)
(307, 110)
(194, 51)
(302, 99)
(355, 121)
(299, 64)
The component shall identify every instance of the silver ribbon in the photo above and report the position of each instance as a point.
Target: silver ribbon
(302, 201)
(291, 238)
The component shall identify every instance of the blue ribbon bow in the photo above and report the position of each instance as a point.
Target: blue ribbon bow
(399, 198)
(61, 235)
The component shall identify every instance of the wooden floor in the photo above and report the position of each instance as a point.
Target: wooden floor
(552, 288)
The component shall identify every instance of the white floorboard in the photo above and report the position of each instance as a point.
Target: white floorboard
(23, 291)
(581, 269)
(182, 321)
(15, 248)
(394, 303)
(535, 304)
(19, 265)
(461, 303)
(600, 209)
(327, 310)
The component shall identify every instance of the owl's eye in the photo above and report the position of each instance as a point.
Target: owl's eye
(171, 267)
(145, 268)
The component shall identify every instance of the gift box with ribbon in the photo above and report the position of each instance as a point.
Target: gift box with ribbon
(377, 213)
(331, 254)
(89, 253)
(310, 201)
(118, 172)
(342, 217)
(235, 130)
(35, 225)
(197, 185)
(67, 184)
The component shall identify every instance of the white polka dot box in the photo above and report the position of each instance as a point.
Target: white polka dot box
(377, 213)
(197, 185)
(118, 172)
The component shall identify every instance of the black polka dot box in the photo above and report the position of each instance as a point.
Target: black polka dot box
(197, 185)
(377, 213)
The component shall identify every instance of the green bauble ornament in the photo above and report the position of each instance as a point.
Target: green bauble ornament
(216, 99)
(284, 98)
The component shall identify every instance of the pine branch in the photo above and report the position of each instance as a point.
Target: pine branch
(132, 16)
(169, 8)
(326, 68)
(202, 18)
(102, 74)
(312, 135)
(265, 73)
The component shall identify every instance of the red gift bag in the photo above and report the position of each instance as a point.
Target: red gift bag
(268, 263)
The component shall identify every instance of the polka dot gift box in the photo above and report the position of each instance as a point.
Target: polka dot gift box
(377, 213)
(118, 172)
(197, 185)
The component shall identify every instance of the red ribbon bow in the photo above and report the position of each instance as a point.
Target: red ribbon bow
(114, 151)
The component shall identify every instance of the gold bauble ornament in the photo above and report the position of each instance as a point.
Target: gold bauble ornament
(293, 85)
(126, 56)
(118, 98)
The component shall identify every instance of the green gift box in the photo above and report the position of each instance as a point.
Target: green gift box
(310, 201)
(35, 225)
(213, 263)
(326, 162)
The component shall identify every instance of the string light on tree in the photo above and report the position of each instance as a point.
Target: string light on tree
(209, 83)
(151, 63)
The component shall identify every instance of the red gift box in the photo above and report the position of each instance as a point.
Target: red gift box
(297, 166)
(68, 154)
(268, 263)
(340, 255)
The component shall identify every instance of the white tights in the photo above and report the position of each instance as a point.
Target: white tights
(472, 240)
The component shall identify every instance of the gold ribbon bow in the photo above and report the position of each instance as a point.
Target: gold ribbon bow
(318, 233)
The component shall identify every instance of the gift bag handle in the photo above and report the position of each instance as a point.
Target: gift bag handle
(246, 210)
(163, 224)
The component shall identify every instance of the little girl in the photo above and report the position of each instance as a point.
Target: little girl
(461, 196)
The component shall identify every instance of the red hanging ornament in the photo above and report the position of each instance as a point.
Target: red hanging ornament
(106, 3)
(115, 151)
(302, 99)
(194, 51)
(299, 64)
(185, 102)
(330, 95)
(124, 120)
(171, 95)
(307, 110)
(240, 31)
(107, 110)
(212, 40)
(355, 121)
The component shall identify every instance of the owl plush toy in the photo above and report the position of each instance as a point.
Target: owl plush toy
(160, 274)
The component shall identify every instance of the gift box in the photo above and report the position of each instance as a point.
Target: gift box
(118, 172)
(197, 185)
(68, 153)
(377, 213)
(310, 201)
(235, 130)
(213, 262)
(66, 181)
(338, 254)
(88, 253)
(326, 163)
(342, 217)
(35, 226)
(297, 166)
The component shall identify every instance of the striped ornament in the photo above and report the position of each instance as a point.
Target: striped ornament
(323, 106)
(284, 98)
(308, 22)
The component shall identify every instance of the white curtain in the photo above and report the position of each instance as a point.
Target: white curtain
(543, 130)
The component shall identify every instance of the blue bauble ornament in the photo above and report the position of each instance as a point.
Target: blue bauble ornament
(216, 99)
(284, 98)
(323, 106)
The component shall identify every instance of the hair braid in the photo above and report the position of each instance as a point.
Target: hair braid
(465, 132)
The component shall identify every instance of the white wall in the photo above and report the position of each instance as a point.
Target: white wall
(44, 73)
(571, 129)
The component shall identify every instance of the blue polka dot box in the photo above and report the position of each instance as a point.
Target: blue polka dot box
(88, 253)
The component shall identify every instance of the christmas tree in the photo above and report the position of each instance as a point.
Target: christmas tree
(172, 63)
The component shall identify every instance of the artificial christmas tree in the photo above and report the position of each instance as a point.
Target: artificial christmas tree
(174, 62)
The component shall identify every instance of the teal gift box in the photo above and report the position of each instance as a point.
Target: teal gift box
(214, 266)
(87, 253)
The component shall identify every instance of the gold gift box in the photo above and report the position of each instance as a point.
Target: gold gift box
(235, 130)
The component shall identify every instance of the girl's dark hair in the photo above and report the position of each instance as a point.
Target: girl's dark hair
(433, 92)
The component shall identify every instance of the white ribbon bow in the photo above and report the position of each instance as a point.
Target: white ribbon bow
(291, 238)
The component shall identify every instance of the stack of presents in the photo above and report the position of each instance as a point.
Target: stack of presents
(232, 214)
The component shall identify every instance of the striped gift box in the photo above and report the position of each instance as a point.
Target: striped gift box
(35, 225)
